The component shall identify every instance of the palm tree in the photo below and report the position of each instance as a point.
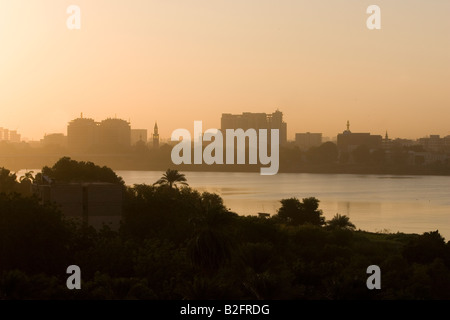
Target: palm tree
(7, 180)
(171, 178)
(340, 222)
(27, 177)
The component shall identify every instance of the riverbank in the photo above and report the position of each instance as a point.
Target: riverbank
(146, 163)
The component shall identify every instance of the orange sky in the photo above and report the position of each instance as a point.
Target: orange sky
(176, 61)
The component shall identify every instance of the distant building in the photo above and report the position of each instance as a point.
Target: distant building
(138, 135)
(9, 135)
(434, 143)
(347, 141)
(5, 135)
(109, 135)
(249, 120)
(93, 204)
(14, 136)
(55, 139)
(114, 133)
(82, 134)
(403, 142)
(155, 137)
(307, 140)
(426, 158)
(275, 121)
(447, 143)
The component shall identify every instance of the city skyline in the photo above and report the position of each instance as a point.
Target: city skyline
(183, 61)
(151, 128)
(248, 150)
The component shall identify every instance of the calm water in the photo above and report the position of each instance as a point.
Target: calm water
(410, 204)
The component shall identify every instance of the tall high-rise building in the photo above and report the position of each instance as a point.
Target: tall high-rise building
(155, 137)
(82, 134)
(114, 132)
(275, 121)
(249, 120)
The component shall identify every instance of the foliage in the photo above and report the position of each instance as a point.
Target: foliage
(361, 154)
(340, 222)
(27, 177)
(178, 243)
(33, 237)
(325, 153)
(172, 178)
(7, 180)
(295, 213)
(68, 170)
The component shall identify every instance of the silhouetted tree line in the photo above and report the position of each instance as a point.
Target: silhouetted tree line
(325, 158)
(177, 243)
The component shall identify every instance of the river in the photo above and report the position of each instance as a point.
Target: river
(377, 203)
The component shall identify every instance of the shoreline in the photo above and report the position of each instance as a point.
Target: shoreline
(143, 163)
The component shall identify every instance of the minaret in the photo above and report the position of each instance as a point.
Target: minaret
(155, 136)
(386, 142)
(348, 128)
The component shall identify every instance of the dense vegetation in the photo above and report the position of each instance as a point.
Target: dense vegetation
(178, 243)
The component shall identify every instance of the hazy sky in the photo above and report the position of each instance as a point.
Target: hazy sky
(176, 61)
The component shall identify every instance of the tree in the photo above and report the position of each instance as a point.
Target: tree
(344, 157)
(26, 181)
(68, 170)
(171, 178)
(295, 212)
(27, 177)
(340, 222)
(426, 248)
(7, 181)
(33, 237)
(377, 156)
(210, 249)
(399, 156)
(361, 154)
(289, 209)
(211, 246)
(310, 213)
(325, 153)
